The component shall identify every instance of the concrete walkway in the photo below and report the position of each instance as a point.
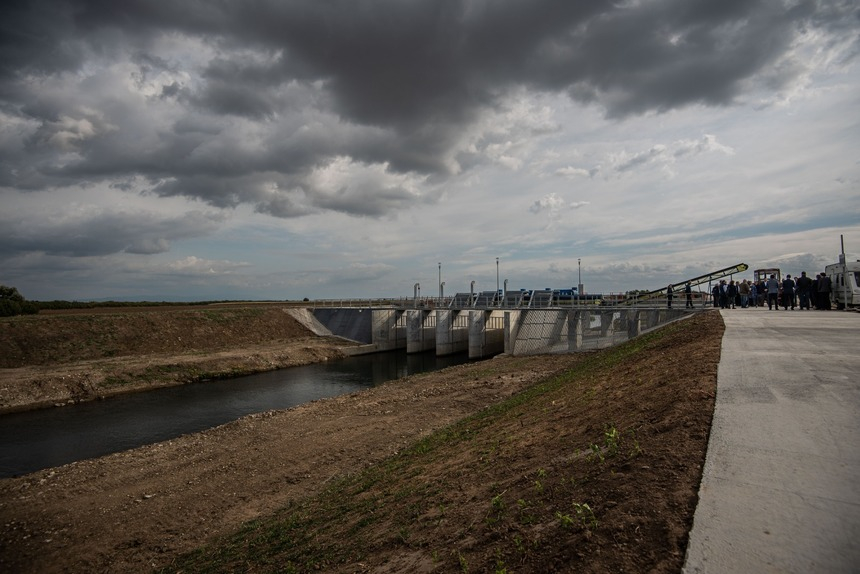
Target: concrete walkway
(781, 484)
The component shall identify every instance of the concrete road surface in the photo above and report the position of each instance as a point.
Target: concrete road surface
(781, 484)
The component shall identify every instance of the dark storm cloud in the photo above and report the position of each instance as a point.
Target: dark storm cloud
(383, 82)
(406, 63)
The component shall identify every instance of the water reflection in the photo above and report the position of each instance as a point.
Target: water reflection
(41, 439)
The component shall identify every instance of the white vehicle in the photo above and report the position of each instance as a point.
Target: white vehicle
(845, 283)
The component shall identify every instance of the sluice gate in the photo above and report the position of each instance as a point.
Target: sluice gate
(488, 332)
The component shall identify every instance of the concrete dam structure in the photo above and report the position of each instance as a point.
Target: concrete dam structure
(489, 331)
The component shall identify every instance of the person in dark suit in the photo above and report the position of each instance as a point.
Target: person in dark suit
(824, 288)
(788, 293)
(732, 294)
(804, 290)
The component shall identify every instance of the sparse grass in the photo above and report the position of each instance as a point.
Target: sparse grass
(335, 527)
(585, 515)
(582, 515)
(615, 443)
(510, 509)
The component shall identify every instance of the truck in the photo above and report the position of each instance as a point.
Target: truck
(764, 274)
(844, 283)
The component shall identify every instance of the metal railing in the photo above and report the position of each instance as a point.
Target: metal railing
(700, 300)
(382, 302)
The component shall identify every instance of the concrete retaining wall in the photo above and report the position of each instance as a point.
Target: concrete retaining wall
(307, 318)
(385, 329)
(594, 329)
(538, 331)
(349, 323)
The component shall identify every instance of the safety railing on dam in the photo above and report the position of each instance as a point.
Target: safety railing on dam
(699, 300)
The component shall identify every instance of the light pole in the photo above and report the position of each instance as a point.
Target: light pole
(579, 285)
(844, 262)
(440, 281)
(497, 276)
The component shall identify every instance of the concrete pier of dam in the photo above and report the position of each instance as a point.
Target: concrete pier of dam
(486, 332)
(420, 330)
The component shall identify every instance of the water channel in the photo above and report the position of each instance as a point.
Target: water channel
(34, 440)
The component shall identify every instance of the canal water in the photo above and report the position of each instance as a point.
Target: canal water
(34, 440)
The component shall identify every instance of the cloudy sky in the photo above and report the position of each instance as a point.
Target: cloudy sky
(281, 149)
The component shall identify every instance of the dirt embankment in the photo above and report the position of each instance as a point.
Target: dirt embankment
(539, 486)
(60, 358)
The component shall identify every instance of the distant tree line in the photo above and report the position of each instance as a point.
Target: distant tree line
(60, 304)
(13, 303)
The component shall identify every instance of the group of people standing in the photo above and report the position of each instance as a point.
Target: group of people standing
(804, 292)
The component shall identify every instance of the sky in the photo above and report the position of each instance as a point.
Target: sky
(334, 149)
